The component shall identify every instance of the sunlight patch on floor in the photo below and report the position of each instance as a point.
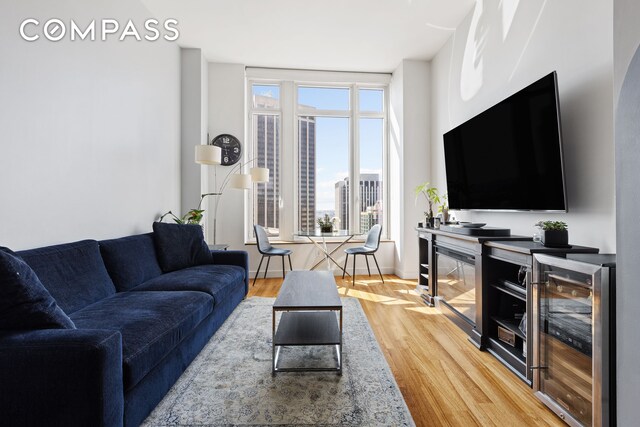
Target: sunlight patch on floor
(364, 282)
(370, 296)
(402, 282)
(399, 302)
(407, 292)
(424, 310)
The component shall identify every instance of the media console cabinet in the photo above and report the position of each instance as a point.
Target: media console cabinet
(483, 284)
(451, 277)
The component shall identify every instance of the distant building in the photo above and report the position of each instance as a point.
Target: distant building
(370, 217)
(370, 189)
(307, 173)
(267, 137)
(342, 202)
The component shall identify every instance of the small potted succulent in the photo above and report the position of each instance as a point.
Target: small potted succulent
(326, 223)
(554, 233)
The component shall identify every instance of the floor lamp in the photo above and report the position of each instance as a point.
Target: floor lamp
(211, 155)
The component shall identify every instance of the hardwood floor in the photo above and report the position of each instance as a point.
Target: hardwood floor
(444, 379)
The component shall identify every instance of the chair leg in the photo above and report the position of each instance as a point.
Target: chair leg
(267, 269)
(258, 271)
(366, 258)
(354, 270)
(290, 265)
(282, 266)
(379, 272)
(344, 270)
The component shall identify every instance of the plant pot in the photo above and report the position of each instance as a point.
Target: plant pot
(445, 216)
(555, 238)
(326, 229)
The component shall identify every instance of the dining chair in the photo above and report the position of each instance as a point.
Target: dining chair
(369, 248)
(265, 248)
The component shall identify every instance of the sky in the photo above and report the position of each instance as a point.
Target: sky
(332, 136)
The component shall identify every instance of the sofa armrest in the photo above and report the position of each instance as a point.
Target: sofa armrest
(61, 377)
(239, 258)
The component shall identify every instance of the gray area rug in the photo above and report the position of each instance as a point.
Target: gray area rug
(230, 382)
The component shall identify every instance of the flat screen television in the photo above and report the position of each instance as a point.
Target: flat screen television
(509, 157)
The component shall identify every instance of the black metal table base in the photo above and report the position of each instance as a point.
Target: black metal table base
(311, 315)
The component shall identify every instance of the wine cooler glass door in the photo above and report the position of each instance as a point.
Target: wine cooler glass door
(567, 306)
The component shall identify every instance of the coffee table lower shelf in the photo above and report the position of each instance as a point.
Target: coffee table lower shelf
(307, 328)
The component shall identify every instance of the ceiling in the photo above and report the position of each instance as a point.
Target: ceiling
(345, 35)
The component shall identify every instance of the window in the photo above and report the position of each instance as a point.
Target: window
(318, 139)
(323, 150)
(371, 146)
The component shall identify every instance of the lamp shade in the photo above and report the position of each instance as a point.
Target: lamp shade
(208, 155)
(259, 174)
(240, 181)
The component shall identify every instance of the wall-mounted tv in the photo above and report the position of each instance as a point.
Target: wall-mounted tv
(509, 157)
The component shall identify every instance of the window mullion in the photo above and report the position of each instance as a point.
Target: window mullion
(289, 153)
(385, 164)
(354, 173)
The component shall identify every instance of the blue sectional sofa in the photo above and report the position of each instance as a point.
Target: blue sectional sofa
(137, 328)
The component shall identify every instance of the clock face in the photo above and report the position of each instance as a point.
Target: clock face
(231, 148)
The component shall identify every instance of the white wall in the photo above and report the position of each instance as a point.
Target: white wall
(226, 115)
(396, 133)
(627, 102)
(626, 37)
(501, 47)
(194, 101)
(409, 159)
(89, 131)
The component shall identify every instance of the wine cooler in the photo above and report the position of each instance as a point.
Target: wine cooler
(573, 337)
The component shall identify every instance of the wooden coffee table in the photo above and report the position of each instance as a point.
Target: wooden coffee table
(308, 301)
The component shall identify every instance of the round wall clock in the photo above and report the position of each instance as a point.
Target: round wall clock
(231, 148)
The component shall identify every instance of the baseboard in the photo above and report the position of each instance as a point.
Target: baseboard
(336, 271)
(405, 275)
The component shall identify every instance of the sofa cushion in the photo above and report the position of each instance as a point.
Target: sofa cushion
(180, 246)
(217, 280)
(130, 260)
(151, 323)
(24, 302)
(73, 273)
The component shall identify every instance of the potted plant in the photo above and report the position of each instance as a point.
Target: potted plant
(431, 194)
(554, 233)
(443, 209)
(194, 216)
(326, 224)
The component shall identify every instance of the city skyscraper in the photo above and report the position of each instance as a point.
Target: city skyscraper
(342, 202)
(370, 192)
(267, 137)
(371, 216)
(307, 173)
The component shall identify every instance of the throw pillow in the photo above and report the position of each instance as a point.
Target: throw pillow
(180, 246)
(25, 303)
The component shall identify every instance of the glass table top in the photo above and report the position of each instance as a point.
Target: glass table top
(337, 233)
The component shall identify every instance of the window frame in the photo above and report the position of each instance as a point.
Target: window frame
(289, 81)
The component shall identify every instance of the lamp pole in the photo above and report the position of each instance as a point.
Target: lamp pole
(225, 182)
